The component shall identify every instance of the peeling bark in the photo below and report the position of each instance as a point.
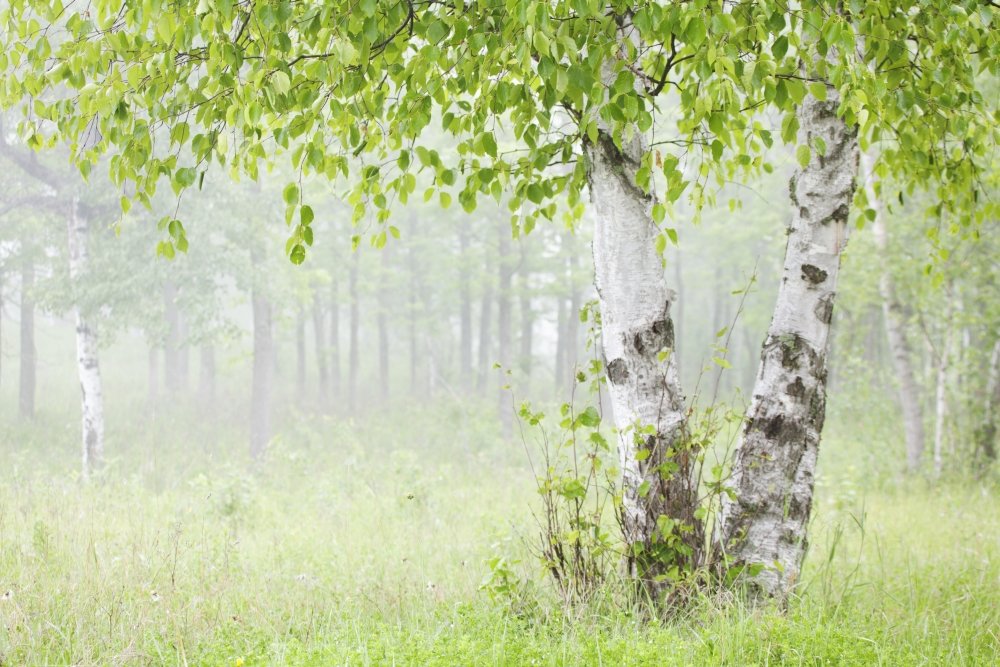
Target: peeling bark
(895, 328)
(763, 526)
(88, 368)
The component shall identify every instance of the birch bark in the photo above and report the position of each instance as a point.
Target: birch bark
(763, 524)
(659, 489)
(88, 368)
(895, 327)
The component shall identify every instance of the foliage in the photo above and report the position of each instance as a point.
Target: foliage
(520, 86)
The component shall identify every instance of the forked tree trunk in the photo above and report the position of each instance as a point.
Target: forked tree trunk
(88, 369)
(29, 364)
(895, 327)
(763, 525)
(659, 491)
(263, 367)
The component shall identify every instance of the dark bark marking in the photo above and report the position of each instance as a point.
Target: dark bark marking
(796, 389)
(813, 274)
(617, 371)
(824, 308)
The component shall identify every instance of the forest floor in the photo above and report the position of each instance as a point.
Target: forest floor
(354, 545)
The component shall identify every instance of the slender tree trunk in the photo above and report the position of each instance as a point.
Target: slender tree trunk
(986, 440)
(263, 367)
(763, 524)
(152, 373)
(382, 318)
(300, 354)
(206, 375)
(527, 324)
(562, 342)
(941, 396)
(573, 316)
(1, 321)
(183, 354)
(88, 368)
(334, 339)
(412, 325)
(465, 310)
(172, 343)
(504, 329)
(26, 394)
(895, 327)
(485, 326)
(353, 353)
(659, 489)
(319, 339)
(679, 321)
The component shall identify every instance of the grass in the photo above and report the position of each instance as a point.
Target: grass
(354, 544)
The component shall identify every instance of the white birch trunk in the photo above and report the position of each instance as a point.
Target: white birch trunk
(92, 399)
(941, 397)
(986, 447)
(763, 525)
(895, 327)
(659, 488)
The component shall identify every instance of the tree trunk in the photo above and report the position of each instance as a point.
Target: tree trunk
(206, 375)
(382, 318)
(300, 355)
(88, 368)
(263, 366)
(986, 440)
(763, 525)
(485, 324)
(334, 339)
(504, 329)
(895, 327)
(465, 310)
(172, 343)
(941, 395)
(152, 373)
(1, 322)
(26, 394)
(572, 317)
(319, 338)
(353, 358)
(527, 324)
(659, 489)
(562, 341)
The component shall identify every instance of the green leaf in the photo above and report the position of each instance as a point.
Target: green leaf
(803, 154)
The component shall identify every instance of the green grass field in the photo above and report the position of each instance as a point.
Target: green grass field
(352, 546)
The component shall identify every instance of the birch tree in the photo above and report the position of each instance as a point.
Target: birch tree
(543, 100)
(895, 323)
